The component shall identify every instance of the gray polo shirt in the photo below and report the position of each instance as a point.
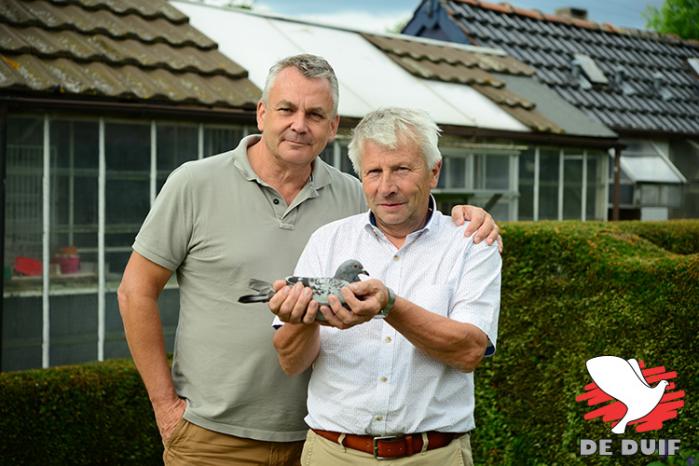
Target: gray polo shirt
(217, 225)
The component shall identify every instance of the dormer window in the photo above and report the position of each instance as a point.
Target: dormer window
(619, 82)
(593, 73)
(659, 87)
(694, 64)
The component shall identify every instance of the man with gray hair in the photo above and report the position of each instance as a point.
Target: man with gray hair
(392, 373)
(217, 223)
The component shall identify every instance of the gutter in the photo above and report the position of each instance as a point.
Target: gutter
(25, 103)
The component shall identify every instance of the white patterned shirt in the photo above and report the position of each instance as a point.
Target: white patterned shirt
(369, 379)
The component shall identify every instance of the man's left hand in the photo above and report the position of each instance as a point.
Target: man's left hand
(481, 222)
(365, 299)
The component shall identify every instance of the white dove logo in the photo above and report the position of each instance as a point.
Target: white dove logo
(623, 380)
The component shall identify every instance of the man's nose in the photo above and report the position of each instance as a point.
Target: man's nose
(298, 122)
(387, 185)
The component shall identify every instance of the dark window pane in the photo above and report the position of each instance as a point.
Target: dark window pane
(176, 144)
(328, 155)
(127, 190)
(127, 201)
(526, 185)
(23, 202)
(593, 186)
(572, 188)
(218, 140)
(497, 172)
(127, 147)
(548, 184)
(455, 173)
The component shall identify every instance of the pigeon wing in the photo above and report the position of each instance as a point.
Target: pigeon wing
(259, 285)
(324, 287)
(612, 375)
(637, 369)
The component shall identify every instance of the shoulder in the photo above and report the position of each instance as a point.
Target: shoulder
(339, 179)
(215, 167)
(451, 234)
(344, 227)
(207, 167)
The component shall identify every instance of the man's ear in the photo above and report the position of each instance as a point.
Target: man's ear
(334, 124)
(436, 170)
(261, 110)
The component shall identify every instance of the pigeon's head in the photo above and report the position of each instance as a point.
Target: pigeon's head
(350, 270)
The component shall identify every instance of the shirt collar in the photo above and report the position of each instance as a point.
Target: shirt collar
(319, 175)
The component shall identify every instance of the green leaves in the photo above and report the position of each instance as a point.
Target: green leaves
(674, 17)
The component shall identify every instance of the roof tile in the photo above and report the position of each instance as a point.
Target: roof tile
(547, 43)
(471, 67)
(47, 15)
(115, 49)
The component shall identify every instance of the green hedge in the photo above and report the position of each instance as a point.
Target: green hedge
(78, 415)
(571, 291)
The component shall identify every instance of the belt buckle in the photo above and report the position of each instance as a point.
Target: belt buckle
(375, 442)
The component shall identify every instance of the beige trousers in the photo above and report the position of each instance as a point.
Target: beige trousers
(318, 451)
(190, 444)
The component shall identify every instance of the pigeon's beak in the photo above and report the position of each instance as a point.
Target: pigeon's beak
(363, 272)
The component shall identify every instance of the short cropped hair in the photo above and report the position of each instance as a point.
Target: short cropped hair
(311, 66)
(387, 126)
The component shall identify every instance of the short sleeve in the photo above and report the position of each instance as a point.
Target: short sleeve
(166, 233)
(477, 297)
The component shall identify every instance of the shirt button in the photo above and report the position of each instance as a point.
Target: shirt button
(276, 201)
(383, 379)
(388, 339)
(395, 258)
(379, 418)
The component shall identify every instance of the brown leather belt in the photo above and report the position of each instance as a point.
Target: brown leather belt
(392, 446)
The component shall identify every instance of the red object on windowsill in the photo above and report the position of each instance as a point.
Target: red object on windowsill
(27, 266)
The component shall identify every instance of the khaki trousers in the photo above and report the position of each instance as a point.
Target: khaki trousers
(318, 451)
(190, 444)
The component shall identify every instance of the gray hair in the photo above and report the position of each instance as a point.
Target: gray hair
(311, 66)
(385, 127)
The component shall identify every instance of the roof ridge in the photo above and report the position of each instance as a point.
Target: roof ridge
(506, 8)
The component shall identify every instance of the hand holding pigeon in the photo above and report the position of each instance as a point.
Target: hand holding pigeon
(320, 287)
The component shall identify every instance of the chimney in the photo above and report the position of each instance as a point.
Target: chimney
(572, 12)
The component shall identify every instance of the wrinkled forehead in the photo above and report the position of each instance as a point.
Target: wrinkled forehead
(404, 148)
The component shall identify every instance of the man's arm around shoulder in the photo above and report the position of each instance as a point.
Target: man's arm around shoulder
(138, 293)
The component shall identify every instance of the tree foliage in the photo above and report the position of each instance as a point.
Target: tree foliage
(680, 17)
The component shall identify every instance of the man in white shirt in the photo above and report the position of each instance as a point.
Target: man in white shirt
(392, 373)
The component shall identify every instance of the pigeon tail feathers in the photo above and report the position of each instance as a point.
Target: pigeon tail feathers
(264, 292)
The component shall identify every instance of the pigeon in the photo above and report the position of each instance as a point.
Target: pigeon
(624, 381)
(322, 287)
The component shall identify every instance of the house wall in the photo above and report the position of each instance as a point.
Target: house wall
(76, 194)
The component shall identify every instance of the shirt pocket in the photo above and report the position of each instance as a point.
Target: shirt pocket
(434, 298)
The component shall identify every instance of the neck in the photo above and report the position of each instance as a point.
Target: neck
(287, 179)
(397, 234)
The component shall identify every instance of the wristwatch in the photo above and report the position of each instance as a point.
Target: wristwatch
(383, 313)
